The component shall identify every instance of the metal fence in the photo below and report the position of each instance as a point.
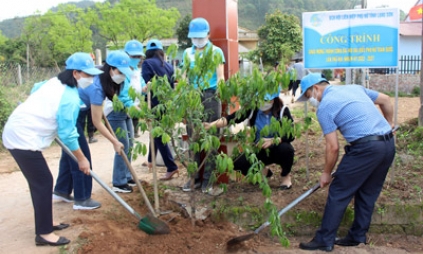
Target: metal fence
(12, 74)
(406, 65)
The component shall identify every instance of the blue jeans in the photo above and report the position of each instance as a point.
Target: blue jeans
(70, 177)
(122, 126)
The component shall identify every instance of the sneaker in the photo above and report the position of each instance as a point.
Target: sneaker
(87, 204)
(57, 196)
(132, 183)
(122, 188)
(205, 186)
(92, 140)
(187, 185)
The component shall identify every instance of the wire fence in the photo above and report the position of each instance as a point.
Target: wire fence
(14, 74)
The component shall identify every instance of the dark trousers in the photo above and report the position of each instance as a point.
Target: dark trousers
(135, 122)
(295, 86)
(212, 111)
(165, 152)
(40, 181)
(90, 126)
(360, 175)
(70, 177)
(282, 154)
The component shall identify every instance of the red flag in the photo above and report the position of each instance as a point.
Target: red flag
(416, 12)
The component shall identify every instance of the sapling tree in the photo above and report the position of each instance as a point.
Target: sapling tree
(183, 105)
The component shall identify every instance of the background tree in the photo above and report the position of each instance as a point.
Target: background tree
(53, 37)
(182, 32)
(13, 50)
(280, 37)
(133, 19)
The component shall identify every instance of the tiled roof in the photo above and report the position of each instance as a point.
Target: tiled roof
(410, 28)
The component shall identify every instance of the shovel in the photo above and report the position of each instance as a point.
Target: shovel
(131, 169)
(149, 224)
(246, 237)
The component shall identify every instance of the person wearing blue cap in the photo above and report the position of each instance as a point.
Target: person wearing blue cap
(135, 51)
(107, 84)
(51, 110)
(155, 65)
(121, 122)
(362, 171)
(281, 153)
(199, 32)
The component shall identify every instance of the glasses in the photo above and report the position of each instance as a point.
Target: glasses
(136, 57)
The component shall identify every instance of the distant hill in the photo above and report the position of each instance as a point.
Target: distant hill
(251, 13)
(12, 28)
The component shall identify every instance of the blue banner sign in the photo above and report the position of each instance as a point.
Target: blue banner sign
(360, 38)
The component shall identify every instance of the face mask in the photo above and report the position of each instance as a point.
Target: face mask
(133, 62)
(200, 42)
(313, 101)
(84, 82)
(118, 78)
(267, 105)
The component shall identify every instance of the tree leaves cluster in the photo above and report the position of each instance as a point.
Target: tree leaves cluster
(53, 36)
(280, 37)
(183, 105)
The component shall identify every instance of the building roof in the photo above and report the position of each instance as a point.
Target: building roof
(410, 29)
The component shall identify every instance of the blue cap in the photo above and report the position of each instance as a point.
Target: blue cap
(120, 60)
(307, 82)
(154, 44)
(198, 28)
(271, 96)
(134, 48)
(82, 62)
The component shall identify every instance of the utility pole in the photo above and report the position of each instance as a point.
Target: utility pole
(364, 70)
(421, 82)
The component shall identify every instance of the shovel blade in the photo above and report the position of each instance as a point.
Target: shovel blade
(153, 226)
(239, 239)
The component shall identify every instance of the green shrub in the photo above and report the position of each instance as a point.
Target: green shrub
(328, 74)
(5, 110)
(416, 91)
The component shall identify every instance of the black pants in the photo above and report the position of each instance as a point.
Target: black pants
(212, 111)
(360, 175)
(90, 126)
(295, 86)
(282, 154)
(35, 169)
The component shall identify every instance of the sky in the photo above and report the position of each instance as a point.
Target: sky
(20, 8)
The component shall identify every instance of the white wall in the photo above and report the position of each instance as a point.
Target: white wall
(410, 45)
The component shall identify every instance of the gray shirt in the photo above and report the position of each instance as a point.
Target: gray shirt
(299, 68)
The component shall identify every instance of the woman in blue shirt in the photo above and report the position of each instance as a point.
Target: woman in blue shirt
(106, 85)
(155, 65)
(274, 149)
(51, 110)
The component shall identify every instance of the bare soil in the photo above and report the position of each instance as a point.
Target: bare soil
(111, 229)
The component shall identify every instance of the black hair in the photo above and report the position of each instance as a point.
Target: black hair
(67, 78)
(277, 106)
(110, 88)
(159, 53)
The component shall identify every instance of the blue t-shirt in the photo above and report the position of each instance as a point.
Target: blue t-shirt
(95, 95)
(351, 109)
(191, 54)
